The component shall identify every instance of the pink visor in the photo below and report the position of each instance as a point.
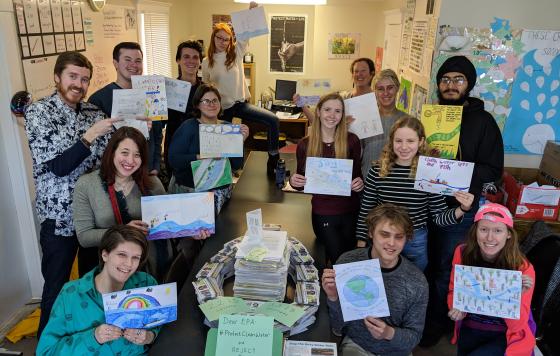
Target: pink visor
(494, 212)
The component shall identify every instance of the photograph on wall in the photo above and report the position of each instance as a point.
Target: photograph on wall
(287, 43)
(344, 45)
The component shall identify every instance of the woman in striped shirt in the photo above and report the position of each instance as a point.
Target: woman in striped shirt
(392, 181)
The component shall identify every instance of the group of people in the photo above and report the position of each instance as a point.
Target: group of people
(90, 179)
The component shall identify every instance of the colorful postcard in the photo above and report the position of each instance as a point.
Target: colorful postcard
(487, 291)
(364, 110)
(178, 215)
(156, 98)
(223, 140)
(404, 95)
(249, 23)
(361, 290)
(177, 92)
(128, 105)
(311, 90)
(443, 126)
(443, 176)
(141, 308)
(330, 176)
(211, 173)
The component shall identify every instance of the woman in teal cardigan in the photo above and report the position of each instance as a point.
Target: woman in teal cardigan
(77, 322)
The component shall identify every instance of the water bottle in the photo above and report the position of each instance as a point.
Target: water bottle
(280, 173)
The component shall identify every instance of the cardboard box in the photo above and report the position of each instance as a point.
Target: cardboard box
(513, 191)
(549, 170)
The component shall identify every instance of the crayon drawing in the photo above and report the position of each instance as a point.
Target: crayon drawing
(328, 176)
(224, 140)
(156, 98)
(442, 176)
(211, 173)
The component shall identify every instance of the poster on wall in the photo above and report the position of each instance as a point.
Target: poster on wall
(344, 45)
(419, 98)
(378, 59)
(403, 97)
(287, 43)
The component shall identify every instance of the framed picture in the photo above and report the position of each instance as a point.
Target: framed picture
(287, 43)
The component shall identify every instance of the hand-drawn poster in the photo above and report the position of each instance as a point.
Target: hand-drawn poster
(442, 124)
(419, 98)
(177, 92)
(364, 110)
(328, 176)
(443, 176)
(178, 215)
(249, 23)
(361, 291)
(344, 46)
(128, 105)
(403, 97)
(418, 46)
(156, 98)
(487, 291)
(211, 173)
(287, 43)
(311, 90)
(224, 140)
(141, 308)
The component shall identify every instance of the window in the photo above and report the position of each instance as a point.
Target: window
(154, 37)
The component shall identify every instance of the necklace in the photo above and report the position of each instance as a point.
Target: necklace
(124, 187)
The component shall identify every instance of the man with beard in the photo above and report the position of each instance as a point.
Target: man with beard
(66, 137)
(480, 142)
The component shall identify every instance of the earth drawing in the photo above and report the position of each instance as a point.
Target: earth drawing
(361, 291)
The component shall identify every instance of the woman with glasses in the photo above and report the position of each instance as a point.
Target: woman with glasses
(223, 67)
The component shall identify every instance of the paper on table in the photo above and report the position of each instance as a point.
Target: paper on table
(311, 90)
(240, 335)
(443, 126)
(487, 291)
(544, 195)
(249, 23)
(287, 314)
(329, 176)
(224, 140)
(273, 241)
(443, 176)
(177, 92)
(254, 224)
(129, 104)
(309, 348)
(364, 110)
(361, 291)
(213, 308)
(156, 98)
(141, 308)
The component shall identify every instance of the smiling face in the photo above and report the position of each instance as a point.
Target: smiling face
(122, 261)
(361, 75)
(221, 41)
(129, 64)
(405, 145)
(388, 241)
(491, 238)
(127, 158)
(189, 61)
(209, 106)
(450, 92)
(330, 113)
(386, 93)
(72, 84)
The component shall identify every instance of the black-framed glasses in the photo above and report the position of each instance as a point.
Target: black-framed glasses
(454, 80)
(210, 102)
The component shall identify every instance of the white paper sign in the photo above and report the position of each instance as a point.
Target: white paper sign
(329, 176)
(364, 110)
(128, 104)
(177, 92)
(224, 140)
(443, 176)
(487, 291)
(249, 23)
(156, 98)
(254, 224)
(361, 291)
(309, 348)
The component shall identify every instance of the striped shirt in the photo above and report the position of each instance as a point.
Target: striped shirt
(398, 188)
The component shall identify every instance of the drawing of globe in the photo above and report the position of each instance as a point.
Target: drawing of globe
(361, 291)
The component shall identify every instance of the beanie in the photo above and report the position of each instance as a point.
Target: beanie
(460, 64)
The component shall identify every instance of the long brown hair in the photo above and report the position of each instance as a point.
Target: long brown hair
(510, 257)
(108, 170)
(388, 157)
(315, 140)
(230, 51)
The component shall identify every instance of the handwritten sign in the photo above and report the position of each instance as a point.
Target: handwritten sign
(242, 335)
(254, 224)
(287, 314)
(224, 140)
(443, 126)
(442, 176)
(364, 110)
(329, 176)
(128, 105)
(177, 92)
(213, 308)
(249, 23)
(156, 98)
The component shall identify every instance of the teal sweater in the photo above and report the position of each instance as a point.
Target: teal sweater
(77, 311)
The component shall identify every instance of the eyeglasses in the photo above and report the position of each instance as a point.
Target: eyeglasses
(223, 39)
(454, 80)
(210, 102)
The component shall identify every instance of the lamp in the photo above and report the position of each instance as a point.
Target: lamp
(287, 2)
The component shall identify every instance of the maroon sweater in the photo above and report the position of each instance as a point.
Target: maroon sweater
(332, 204)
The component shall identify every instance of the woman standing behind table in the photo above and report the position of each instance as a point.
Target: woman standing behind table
(223, 67)
(111, 195)
(188, 57)
(333, 217)
(77, 326)
(492, 243)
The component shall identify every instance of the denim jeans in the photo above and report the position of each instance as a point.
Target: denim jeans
(416, 250)
(474, 342)
(246, 111)
(58, 255)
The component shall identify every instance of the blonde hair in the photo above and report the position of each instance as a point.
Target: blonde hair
(388, 157)
(230, 51)
(387, 74)
(315, 140)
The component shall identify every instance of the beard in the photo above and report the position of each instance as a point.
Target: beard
(459, 101)
(67, 93)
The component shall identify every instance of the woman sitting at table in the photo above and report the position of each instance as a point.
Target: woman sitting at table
(111, 195)
(77, 322)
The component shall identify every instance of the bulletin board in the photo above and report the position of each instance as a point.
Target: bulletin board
(47, 28)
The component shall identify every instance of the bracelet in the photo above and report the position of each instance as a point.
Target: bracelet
(463, 210)
(85, 142)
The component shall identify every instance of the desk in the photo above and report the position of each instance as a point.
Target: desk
(187, 335)
(294, 129)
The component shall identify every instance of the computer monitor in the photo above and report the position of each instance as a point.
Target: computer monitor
(285, 89)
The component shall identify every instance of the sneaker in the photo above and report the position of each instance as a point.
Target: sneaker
(271, 165)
